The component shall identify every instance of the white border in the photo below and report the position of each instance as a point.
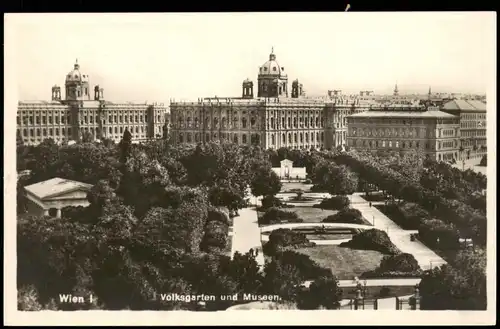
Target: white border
(14, 317)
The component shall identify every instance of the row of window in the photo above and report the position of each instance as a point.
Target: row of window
(39, 132)
(408, 121)
(83, 119)
(448, 132)
(30, 120)
(180, 112)
(389, 144)
(473, 116)
(45, 132)
(473, 124)
(474, 133)
(254, 138)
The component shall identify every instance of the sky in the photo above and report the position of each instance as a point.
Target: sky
(158, 57)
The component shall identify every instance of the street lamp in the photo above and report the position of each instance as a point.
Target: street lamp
(373, 220)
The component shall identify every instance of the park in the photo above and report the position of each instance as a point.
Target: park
(360, 231)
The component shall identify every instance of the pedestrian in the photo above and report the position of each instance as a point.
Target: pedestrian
(370, 204)
(256, 252)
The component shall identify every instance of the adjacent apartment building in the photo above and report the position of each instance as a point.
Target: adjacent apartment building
(401, 128)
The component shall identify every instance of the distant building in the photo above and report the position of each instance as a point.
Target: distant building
(406, 128)
(288, 171)
(78, 114)
(50, 196)
(472, 114)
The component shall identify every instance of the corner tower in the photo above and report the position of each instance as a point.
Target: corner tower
(272, 79)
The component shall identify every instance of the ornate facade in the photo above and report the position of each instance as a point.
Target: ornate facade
(275, 118)
(401, 129)
(68, 119)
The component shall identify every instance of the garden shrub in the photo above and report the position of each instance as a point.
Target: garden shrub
(275, 216)
(372, 240)
(351, 216)
(400, 265)
(282, 239)
(483, 161)
(338, 202)
(270, 201)
(432, 230)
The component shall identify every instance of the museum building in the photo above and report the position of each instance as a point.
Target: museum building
(273, 117)
(70, 118)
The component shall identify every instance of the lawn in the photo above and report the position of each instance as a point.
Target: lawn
(287, 187)
(328, 236)
(312, 215)
(345, 263)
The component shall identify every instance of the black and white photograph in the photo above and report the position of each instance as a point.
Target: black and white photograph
(225, 164)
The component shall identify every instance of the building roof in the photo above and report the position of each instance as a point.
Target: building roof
(55, 186)
(271, 67)
(465, 105)
(402, 114)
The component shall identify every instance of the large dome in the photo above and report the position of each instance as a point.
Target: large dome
(272, 67)
(76, 76)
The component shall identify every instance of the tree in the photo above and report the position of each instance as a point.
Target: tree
(265, 182)
(125, 146)
(483, 161)
(323, 292)
(87, 137)
(337, 180)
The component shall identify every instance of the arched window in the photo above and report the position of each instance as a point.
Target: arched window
(181, 138)
(244, 139)
(189, 137)
(252, 122)
(301, 137)
(272, 123)
(272, 139)
(295, 137)
(244, 122)
(235, 139)
(289, 138)
(283, 138)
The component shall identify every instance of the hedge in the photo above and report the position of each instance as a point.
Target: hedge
(352, 216)
(275, 216)
(281, 239)
(339, 202)
(372, 240)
